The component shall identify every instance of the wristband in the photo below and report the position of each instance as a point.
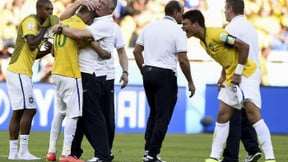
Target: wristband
(239, 69)
(126, 72)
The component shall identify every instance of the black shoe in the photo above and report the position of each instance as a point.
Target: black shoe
(111, 156)
(152, 159)
(253, 158)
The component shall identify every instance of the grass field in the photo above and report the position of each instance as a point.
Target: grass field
(129, 147)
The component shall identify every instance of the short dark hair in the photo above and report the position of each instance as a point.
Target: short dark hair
(171, 7)
(39, 3)
(237, 6)
(194, 16)
(84, 9)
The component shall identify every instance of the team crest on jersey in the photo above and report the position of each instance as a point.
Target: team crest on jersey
(31, 25)
(211, 47)
(31, 100)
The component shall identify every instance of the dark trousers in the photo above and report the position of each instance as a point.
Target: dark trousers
(92, 124)
(240, 129)
(109, 111)
(161, 91)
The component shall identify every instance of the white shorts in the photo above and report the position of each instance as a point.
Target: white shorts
(249, 89)
(20, 91)
(69, 95)
(231, 95)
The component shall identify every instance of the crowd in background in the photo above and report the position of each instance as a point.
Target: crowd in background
(270, 17)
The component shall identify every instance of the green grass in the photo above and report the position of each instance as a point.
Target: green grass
(129, 147)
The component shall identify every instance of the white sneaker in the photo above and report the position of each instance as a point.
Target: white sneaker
(94, 159)
(13, 156)
(28, 156)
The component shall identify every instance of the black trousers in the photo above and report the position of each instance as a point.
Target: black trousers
(92, 124)
(161, 91)
(240, 129)
(109, 110)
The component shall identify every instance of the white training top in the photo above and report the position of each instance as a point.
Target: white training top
(241, 28)
(162, 40)
(102, 31)
(118, 43)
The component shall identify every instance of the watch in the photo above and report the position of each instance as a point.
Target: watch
(59, 29)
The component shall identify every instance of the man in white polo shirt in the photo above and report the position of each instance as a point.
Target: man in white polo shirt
(163, 42)
(93, 72)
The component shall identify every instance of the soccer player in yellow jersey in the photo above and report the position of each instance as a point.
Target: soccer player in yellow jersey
(19, 72)
(239, 76)
(67, 79)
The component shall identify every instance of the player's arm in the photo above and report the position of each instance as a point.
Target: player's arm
(101, 52)
(242, 50)
(48, 46)
(123, 60)
(72, 32)
(34, 41)
(138, 56)
(185, 67)
(72, 8)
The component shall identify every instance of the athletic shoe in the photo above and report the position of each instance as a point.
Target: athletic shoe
(145, 154)
(253, 158)
(27, 156)
(111, 156)
(149, 158)
(62, 159)
(69, 159)
(211, 160)
(51, 156)
(13, 156)
(273, 160)
(95, 159)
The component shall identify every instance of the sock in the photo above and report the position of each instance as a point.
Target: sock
(24, 139)
(13, 147)
(55, 132)
(221, 132)
(264, 138)
(69, 132)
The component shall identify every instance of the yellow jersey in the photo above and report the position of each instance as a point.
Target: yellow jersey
(23, 58)
(218, 44)
(66, 50)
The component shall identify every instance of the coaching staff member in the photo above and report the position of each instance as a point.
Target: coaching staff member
(163, 42)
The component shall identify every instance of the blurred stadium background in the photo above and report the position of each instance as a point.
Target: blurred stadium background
(270, 18)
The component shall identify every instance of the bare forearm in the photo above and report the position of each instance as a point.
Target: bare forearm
(35, 41)
(185, 67)
(101, 52)
(76, 33)
(70, 10)
(123, 59)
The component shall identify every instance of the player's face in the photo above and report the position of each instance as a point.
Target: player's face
(188, 27)
(45, 10)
